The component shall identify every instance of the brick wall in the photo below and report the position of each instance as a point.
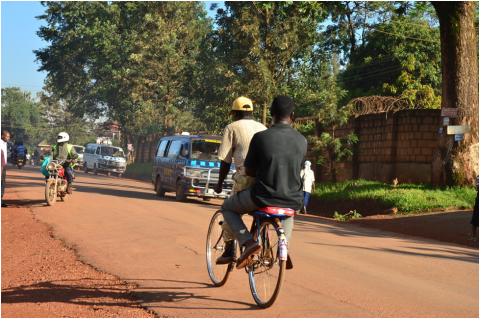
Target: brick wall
(394, 145)
(391, 145)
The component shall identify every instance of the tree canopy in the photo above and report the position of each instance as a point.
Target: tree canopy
(165, 66)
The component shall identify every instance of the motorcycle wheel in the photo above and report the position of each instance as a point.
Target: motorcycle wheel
(50, 192)
(19, 166)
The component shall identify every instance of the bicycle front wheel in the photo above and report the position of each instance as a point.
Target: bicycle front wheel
(266, 272)
(215, 248)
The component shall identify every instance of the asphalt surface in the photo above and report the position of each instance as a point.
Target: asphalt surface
(119, 226)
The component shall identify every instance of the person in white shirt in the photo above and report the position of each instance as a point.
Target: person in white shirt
(4, 146)
(308, 178)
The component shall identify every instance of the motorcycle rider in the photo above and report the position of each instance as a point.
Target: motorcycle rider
(20, 151)
(62, 150)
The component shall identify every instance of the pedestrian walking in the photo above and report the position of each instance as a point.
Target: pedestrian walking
(308, 179)
(474, 220)
(4, 146)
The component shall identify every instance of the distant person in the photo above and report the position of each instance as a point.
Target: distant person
(36, 156)
(21, 150)
(3, 161)
(474, 220)
(235, 142)
(5, 140)
(308, 179)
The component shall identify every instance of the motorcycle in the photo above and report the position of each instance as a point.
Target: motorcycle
(20, 161)
(56, 184)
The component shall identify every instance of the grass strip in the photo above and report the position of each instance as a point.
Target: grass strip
(408, 198)
(139, 168)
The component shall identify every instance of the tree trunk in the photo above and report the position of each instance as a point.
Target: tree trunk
(452, 163)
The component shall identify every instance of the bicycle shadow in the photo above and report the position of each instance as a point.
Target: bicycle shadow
(149, 295)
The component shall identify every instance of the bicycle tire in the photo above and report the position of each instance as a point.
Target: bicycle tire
(215, 248)
(266, 273)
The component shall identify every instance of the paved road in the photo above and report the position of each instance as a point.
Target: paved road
(119, 226)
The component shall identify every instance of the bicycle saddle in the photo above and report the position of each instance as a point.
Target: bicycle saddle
(277, 212)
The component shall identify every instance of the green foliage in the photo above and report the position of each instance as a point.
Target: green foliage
(161, 66)
(263, 44)
(346, 217)
(57, 117)
(408, 198)
(328, 148)
(399, 56)
(306, 128)
(353, 20)
(124, 60)
(21, 116)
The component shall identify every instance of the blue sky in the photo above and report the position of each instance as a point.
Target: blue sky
(18, 40)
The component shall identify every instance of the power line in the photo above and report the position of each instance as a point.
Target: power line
(404, 36)
(374, 62)
(369, 76)
(368, 73)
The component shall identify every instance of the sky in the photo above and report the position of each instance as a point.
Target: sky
(19, 39)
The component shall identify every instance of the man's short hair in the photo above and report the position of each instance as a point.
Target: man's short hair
(243, 114)
(282, 106)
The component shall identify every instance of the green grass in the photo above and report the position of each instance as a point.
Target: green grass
(408, 198)
(139, 168)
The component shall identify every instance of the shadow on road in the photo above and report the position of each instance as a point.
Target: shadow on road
(49, 291)
(468, 257)
(61, 291)
(148, 295)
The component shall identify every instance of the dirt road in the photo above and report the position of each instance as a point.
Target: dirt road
(120, 227)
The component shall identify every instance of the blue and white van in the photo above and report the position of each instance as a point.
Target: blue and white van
(104, 158)
(189, 166)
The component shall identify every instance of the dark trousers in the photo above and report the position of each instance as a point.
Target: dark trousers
(69, 173)
(4, 171)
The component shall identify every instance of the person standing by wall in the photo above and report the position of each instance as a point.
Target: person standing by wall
(474, 220)
(4, 142)
(308, 179)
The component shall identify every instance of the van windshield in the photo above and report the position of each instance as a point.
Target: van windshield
(78, 149)
(205, 149)
(112, 151)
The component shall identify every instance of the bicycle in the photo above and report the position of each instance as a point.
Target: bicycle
(266, 270)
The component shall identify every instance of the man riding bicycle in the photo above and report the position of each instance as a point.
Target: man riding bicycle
(274, 158)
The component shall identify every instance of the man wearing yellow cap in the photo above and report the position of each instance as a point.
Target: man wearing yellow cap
(235, 143)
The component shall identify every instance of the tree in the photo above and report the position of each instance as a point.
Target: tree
(166, 47)
(123, 60)
(450, 164)
(330, 149)
(58, 119)
(263, 42)
(21, 116)
(399, 57)
(352, 21)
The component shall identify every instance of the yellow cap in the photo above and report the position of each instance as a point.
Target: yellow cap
(242, 104)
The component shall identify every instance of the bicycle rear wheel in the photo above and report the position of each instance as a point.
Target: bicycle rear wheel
(215, 248)
(267, 271)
